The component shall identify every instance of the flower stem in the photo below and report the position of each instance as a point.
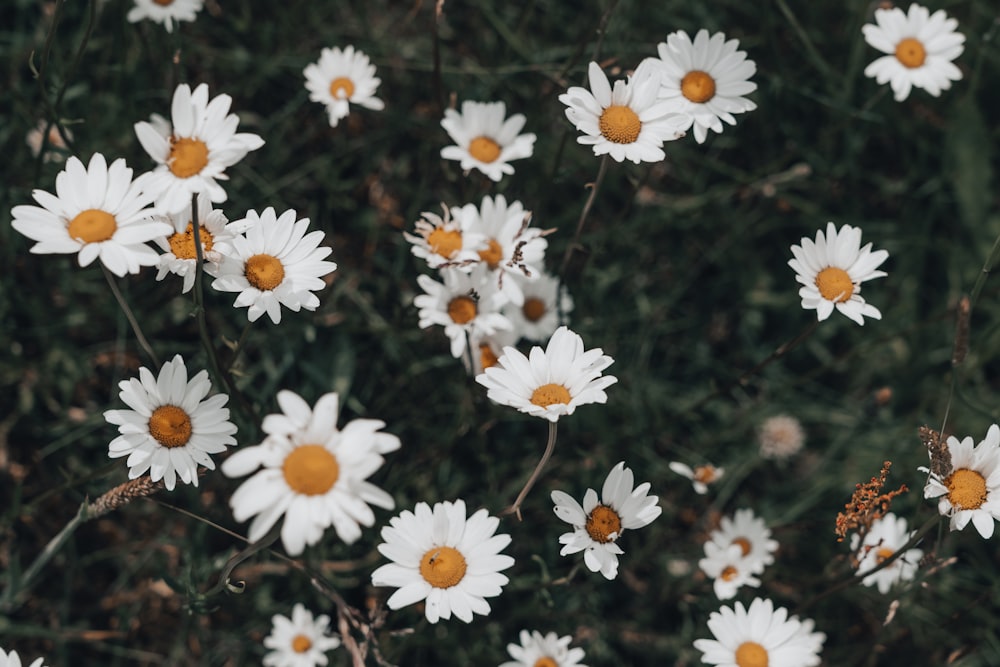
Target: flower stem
(549, 448)
(136, 329)
(574, 244)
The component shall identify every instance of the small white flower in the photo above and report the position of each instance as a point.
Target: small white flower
(545, 298)
(180, 255)
(486, 350)
(12, 659)
(172, 428)
(275, 264)
(700, 476)
(341, 78)
(760, 635)
(550, 383)
(97, 211)
(448, 242)
(971, 491)
(885, 536)
(598, 525)
(299, 641)
(485, 140)
(751, 534)
(55, 146)
(831, 270)
(165, 11)
(549, 650)
(311, 472)
(467, 305)
(780, 437)
(920, 46)
(626, 122)
(728, 569)
(439, 556)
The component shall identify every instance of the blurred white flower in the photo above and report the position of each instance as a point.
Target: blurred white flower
(780, 437)
(728, 568)
(55, 146)
(467, 305)
(544, 299)
(486, 140)
(165, 11)
(885, 536)
(700, 476)
(12, 659)
(760, 636)
(449, 241)
(341, 78)
(549, 650)
(299, 641)
(179, 252)
(752, 536)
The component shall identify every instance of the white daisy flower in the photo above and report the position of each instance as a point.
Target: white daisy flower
(195, 151)
(545, 298)
(751, 534)
(971, 490)
(172, 428)
(885, 536)
(626, 122)
(311, 472)
(705, 80)
(12, 659)
(179, 253)
(831, 270)
(55, 146)
(486, 350)
(598, 525)
(448, 242)
(485, 140)
(548, 650)
(341, 78)
(275, 264)
(439, 556)
(165, 11)
(97, 211)
(700, 476)
(550, 383)
(299, 641)
(921, 48)
(728, 569)
(467, 305)
(760, 636)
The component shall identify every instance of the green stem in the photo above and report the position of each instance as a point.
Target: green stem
(549, 448)
(136, 329)
(588, 205)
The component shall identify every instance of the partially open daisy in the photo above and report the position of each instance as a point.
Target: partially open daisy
(486, 140)
(920, 46)
(55, 146)
(448, 241)
(598, 524)
(179, 252)
(627, 121)
(970, 490)
(831, 270)
(341, 78)
(439, 556)
(728, 569)
(467, 305)
(885, 536)
(705, 80)
(172, 428)
(299, 641)
(545, 300)
(97, 211)
(165, 11)
(12, 659)
(548, 650)
(311, 472)
(550, 383)
(700, 476)
(275, 264)
(751, 534)
(194, 152)
(760, 636)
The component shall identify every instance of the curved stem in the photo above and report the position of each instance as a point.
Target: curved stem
(583, 217)
(549, 448)
(136, 329)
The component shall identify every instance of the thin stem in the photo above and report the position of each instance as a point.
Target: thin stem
(549, 448)
(987, 267)
(589, 204)
(239, 346)
(136, 329)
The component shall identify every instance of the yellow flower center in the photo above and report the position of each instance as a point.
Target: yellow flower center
(341, 85)
(604, 525)
(310, 470)
(484, 149)
(619, 124)
(545, 661)
(744, 544)
(442, 567)
(834, 284)
(729, 573)
(882, 554)
(445, 242)
(751, 654)
(966, 489)
(264, 272)
(92, 226)
(187, 157)
(182, 243)
(462, 309)
(170, 425)
(704, 474)
(533, 309)
(300, 643)
(492, 255)
(550, 394)
(911, 53)
(487, 358)
(698, 86)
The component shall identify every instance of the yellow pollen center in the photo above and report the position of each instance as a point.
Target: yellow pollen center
(550, 394)
(704, 474)
(882, 554)
(911, 53)
(533, 309)
(170, 425)
(751, 654)
(744, 544)
(182, 243)
(300, 643)
(484, 149)
(487, 358)
(492, 255)
(164, 3)
(92, 226)
(545, 661)
(341, 85)
(442, 567)
(834, 284)
(264, 272)
(462, 309)
(445, 242)
(729, 573)
(619, 124)
(604, 525)
(698, 86)
(966, 489)
(310, 470)
(187, 157)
